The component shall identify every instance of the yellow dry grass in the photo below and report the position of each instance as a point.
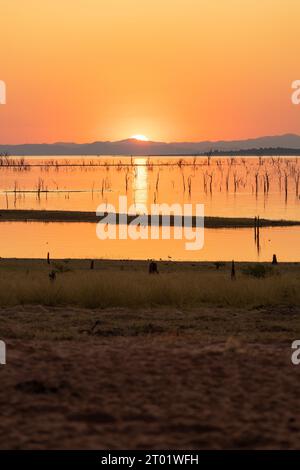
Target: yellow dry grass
(122, 285)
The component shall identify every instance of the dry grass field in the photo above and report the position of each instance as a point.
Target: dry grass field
(128, 284)
(113, 358)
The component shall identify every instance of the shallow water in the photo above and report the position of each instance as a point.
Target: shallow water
(79, 240)
(228, 187)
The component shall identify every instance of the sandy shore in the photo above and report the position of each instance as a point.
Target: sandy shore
(214, 373)
(205, 378)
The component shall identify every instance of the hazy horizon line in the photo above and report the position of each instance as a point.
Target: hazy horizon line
(150, 141)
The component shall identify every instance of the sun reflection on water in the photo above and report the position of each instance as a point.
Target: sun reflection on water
(140, 183)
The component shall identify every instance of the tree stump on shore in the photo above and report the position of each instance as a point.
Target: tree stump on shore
(153, 268)
(233, 271)
(52, 276)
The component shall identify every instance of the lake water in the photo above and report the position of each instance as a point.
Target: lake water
(228, 187)
(79, 240)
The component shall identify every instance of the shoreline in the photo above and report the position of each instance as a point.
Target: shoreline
(136, 264)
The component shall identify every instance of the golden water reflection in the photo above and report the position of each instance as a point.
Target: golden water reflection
(228, 187)
(140, 184)
(78, 240)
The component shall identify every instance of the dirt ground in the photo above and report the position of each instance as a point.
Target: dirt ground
(148, 388)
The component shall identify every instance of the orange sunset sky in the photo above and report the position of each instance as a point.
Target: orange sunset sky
(174, 70)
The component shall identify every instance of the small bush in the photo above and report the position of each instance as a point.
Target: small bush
(258, 271)
(61, 268)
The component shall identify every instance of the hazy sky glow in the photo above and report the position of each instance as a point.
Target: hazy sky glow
(173, 70)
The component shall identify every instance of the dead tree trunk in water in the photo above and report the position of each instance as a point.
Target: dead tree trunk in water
(257, 234)
(255, 228)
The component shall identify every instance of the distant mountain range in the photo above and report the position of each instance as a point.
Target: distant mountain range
(288, 144)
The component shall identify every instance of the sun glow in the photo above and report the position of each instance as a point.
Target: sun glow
(140, 137)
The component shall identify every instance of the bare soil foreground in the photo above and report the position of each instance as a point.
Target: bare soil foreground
(215, 375)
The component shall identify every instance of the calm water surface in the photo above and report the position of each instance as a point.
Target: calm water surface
(78, 240)
(228, 187)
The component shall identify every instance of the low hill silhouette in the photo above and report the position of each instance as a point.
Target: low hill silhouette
(288, 144)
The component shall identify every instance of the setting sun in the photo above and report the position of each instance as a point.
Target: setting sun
(140, 137)
(150, 149)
